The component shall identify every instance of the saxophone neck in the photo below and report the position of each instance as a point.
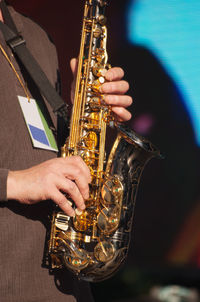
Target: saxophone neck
(92, 62)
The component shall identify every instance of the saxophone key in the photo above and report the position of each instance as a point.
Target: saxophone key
(96, 85)
(102, 20)
(108, 219)
(98, 70)
(83, 222)
(104, 251)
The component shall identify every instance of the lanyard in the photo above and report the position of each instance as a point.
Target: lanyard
(15, 71)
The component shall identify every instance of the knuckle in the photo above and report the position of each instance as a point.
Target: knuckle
(60, 202)
(112, 75)
(121, 111)
(111, 99)
(115, 99)
(71, 186)
(109, 74)
(107, 99)
(78, 171)
(85, 188)
(46, 194)
(108, 87)
(111, 87)
(78, 160)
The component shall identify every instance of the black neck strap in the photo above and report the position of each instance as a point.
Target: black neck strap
(18, 45)
(7, 17)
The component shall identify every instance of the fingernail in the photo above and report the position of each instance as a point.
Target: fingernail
(78, 212)
(69, 202)
(86, 196)
(82, 207)
(103, 72)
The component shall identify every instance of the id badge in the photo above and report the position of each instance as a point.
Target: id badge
(41, 135)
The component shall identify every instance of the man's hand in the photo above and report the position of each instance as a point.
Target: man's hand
(113, 90)
(52, 180)
(59, 178)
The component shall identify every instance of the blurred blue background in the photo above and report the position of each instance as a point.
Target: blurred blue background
(171, 30)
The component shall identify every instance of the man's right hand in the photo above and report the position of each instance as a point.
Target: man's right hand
(52, 180)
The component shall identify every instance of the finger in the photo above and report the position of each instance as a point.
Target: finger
(73, 166)
(118, 87)
(114, 74)
(122, 114)
(69, 187)
(118, 100)
(81, 167)
(77, 170)
(62, 202)
(74, 65)
(80, 181)
(74, 68)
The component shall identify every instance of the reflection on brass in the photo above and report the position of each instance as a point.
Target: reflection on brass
(82, 222)
(108, 219)
(112, 191)
(91, 140)
(104, 251)
(95, 242)
(79, 261)
(102, 20)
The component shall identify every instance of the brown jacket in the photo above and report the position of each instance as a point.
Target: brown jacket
(23, 227)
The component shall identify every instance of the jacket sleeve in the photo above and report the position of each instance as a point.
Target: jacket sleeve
(3, 184)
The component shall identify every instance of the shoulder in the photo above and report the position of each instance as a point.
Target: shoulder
(35, 36)
(38, 42)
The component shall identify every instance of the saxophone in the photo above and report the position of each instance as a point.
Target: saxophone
(94, 244)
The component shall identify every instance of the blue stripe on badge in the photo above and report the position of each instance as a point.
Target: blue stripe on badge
(39, 135)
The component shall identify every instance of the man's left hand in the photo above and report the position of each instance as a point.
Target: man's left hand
(113, 90)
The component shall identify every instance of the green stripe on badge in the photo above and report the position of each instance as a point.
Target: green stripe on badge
(48, 131)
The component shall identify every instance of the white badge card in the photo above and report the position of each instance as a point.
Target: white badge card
(40, 133)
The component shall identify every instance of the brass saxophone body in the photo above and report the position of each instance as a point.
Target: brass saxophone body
(94, 244)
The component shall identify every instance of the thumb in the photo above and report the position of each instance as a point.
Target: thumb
(74, 66)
